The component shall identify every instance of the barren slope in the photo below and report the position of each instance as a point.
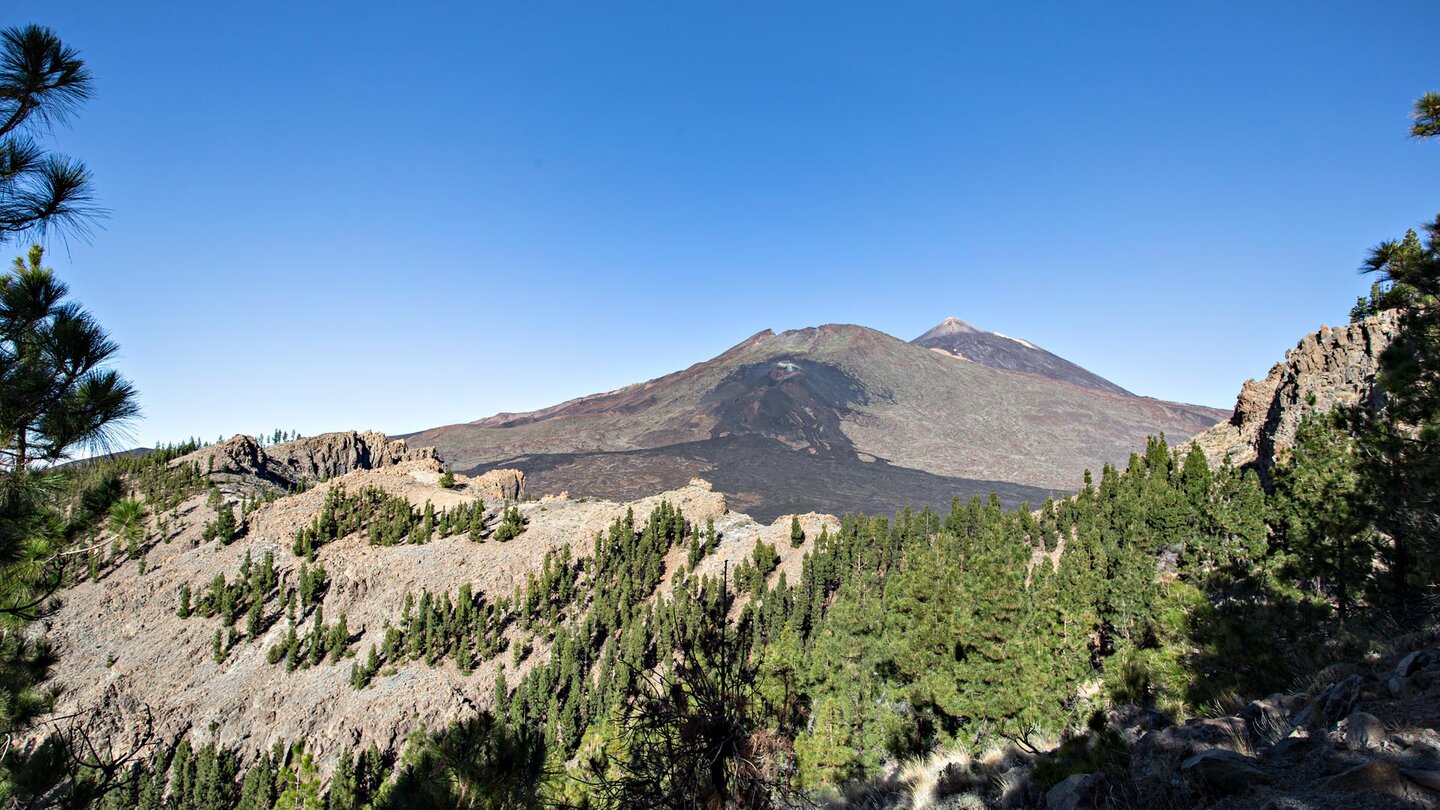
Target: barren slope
(123, 650)
(957, 338)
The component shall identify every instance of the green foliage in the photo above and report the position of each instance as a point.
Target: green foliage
(126, 520)
(447, 480)
(43, 82)
(751, 574)
(469, 629)
(252, 586)
(1099, 749)
(223, 527)
(1427, 116)
(1314, 515)
(317, 644)
(797, 534)
(357, 780)
(702, 544)
(300, 781)
(483, 763)
(688, 734)
(386, 519)
(512, 523)
(1399, 444)
(57, 396)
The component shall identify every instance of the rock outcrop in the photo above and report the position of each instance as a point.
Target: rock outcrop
(243, 462)
(1329, 368)
(499, 485)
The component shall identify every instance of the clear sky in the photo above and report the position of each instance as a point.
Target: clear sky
(399, 215)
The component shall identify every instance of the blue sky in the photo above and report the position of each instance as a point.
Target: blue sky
(394, 216)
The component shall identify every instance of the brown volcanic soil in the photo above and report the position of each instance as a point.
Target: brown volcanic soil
(838, 397)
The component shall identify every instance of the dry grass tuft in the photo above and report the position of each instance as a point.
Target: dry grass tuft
(1329, 675)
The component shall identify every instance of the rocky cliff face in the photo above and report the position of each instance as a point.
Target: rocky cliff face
(1331, 367)
(499, 485)
(242, 461)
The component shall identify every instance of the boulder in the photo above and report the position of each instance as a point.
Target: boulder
(1413, 663)
(1196, 736)
(1134, 721)
(243, 463)
(1292, 748)
(1016, 788)
(1332, 703)
(500, 485)
(1397, 685)
(1418, 742)
(1380, 777)
(1074, 792)
(1328, 368)
(1430, 780)
(1267, 719)
(1224, 772)
(1364, 732)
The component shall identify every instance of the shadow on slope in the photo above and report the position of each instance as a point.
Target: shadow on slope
(759, 476)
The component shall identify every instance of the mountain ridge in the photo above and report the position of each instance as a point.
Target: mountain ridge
(876, 409)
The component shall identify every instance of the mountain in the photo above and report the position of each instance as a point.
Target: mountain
(151, 642)
(830, 418)
(955, 337)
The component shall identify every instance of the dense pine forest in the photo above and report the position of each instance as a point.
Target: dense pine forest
(1169, 584)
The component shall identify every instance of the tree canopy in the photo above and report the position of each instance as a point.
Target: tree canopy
(43, 82)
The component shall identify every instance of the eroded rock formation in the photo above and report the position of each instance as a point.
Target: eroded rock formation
(243, 461)
(1328, 368)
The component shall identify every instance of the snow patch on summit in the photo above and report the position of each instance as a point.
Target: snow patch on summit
(1027, 344)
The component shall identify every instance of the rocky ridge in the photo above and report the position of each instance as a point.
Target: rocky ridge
(244, 461)
(1331, 367)
(124, 654)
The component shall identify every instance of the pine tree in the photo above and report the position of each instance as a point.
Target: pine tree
(223, 528)
(1312, 511)
(477, 521)
(511, 524)
(427, 524)
(797, 534)
(344, 791)
(1400, 442)
(252, 620)
(44, 81)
